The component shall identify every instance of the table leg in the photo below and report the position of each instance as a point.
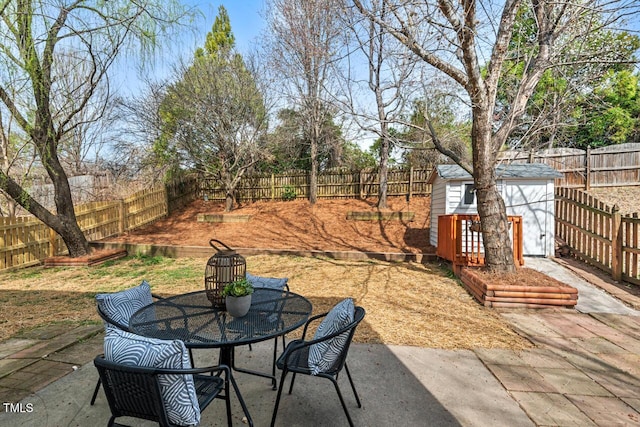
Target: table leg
(250, 372)
(226, 358)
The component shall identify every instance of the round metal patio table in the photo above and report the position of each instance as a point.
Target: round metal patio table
(192, 319)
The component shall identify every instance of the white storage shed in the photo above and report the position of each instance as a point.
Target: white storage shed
(526, 188)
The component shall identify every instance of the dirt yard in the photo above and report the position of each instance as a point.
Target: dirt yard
(296, 225)
(626, 198)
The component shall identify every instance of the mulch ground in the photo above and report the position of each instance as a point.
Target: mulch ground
(296, 225)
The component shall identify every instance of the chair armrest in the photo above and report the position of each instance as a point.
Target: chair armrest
(311, 320)
(194, 371)
(298, 345)
(163, 371)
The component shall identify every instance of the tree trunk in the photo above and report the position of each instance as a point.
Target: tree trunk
(495, 226)
(313, 177)
(384, 167)
(228, 203)
(64, 223)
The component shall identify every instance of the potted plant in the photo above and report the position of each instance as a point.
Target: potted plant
(238, 297)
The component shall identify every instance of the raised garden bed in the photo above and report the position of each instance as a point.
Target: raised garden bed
(95, 258)
(377, 216)
(229, 218)
(499, 295)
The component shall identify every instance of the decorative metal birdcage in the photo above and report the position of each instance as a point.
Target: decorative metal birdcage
(224, 267)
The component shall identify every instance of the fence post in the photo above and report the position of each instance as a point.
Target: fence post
(587, 183)
(616, 243)
(410, 184)
(52, 242)
(122, 227)
(361, 184)
(273, 186)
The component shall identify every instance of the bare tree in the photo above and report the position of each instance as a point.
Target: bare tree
(304, 38)
(16, 158)
(89, 35)
(93, 124)
(132, 155)
(389, 68)
(453, 37)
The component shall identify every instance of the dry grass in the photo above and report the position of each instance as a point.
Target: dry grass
(406, 303)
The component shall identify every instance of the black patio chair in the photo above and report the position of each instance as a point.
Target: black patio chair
(134, 391)
(121, 323)
(295, 359)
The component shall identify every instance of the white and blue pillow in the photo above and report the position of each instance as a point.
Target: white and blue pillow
(120, 306)
(267, 282)
(178, 391)
(324, 354)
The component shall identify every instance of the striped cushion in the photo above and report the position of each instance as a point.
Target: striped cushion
(120, 306)
(324, 354)
(178, 391)
(267, 282)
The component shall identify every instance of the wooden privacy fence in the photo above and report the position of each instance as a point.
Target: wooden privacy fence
(331, 184)
(26, 241)
(614, 165)
(598, 234)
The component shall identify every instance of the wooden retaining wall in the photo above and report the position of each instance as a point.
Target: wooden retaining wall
(499, 296)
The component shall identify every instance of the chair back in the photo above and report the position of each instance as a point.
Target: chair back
(132, 391)
(349, 330)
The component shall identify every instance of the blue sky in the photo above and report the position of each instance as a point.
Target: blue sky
(246, 24)
(245, 16)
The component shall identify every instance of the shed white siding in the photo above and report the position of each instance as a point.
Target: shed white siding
(438, 207)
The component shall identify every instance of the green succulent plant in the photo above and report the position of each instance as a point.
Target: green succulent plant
(239, 288)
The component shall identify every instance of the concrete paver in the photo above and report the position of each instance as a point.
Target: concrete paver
(634, 402)
(597, 345)
(13, 345)
(628, 362)
(628, 325)
(521, 378)
(30, 368)
(591, 299)
(606, 411)
(552, 409)
(37, 375)
(572, 381)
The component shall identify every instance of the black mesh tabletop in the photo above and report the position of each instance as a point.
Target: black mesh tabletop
(192, 319)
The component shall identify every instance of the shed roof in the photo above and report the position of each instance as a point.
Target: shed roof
(503, 171)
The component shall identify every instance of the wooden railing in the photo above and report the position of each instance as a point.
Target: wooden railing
(460, 239)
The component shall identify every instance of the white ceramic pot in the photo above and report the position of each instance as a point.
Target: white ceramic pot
(238, 306)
